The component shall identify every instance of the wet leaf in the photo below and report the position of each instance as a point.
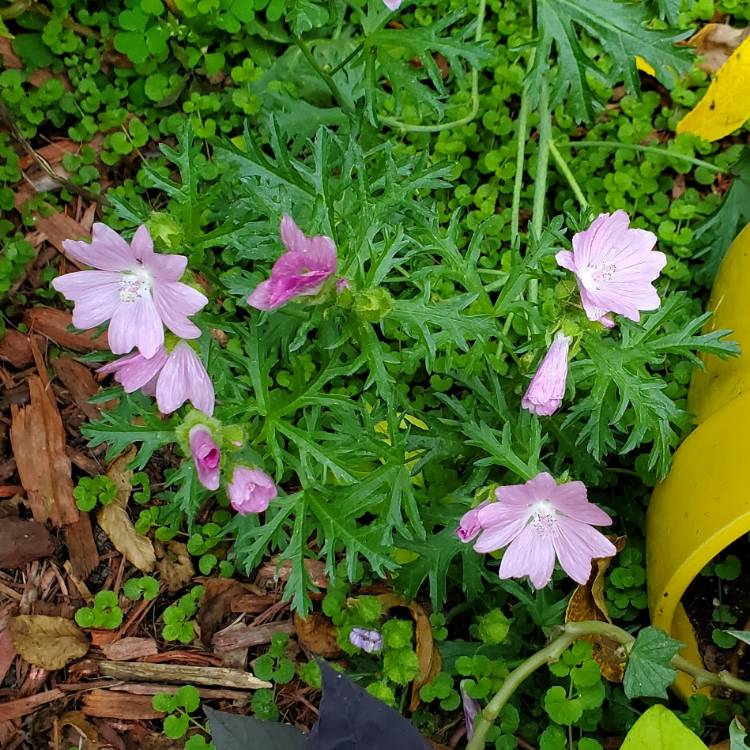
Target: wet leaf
(588, 602)
(725, 106)
(47, 642)
(135, 547)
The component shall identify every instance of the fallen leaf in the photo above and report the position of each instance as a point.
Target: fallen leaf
(215, 605)
(135, 547)
(38, 441)
(87, 733)
(317, 634)
(429, 657)
(715, 43)
(721, 746)
(175, 566)
(23, 541)
(589, 602)
(54, 325)
(726, 105)
(47, 642)
(16, 349)
(121, 474)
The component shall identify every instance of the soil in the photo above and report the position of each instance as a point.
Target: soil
(704, 594)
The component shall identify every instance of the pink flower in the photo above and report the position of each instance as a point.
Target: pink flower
(206, 456)
(393, 4)
(251, 490)
(366, 639)
(547, 388)
(135, 289)
(614, 267)
(173, 377)
(300, 272)
(540, 520)
(468, 526)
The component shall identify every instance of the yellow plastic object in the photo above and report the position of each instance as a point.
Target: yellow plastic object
(704, 504)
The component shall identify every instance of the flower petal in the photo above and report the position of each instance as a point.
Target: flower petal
(136, 324)
(184, 377)
(576, 545)
(107, 251)
(175, 301)
(96, 295)
(571, 499)
(529, 555)
(497, 531)
(135, 371)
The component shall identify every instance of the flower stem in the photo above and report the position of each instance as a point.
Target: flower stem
(348, 58)
(567, 173)
(644, 149)
(324, 76)
(407, 128)
(522, 126)
(571, 632)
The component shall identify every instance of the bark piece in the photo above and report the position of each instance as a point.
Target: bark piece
(59, 227)
(181, 674)
(137, 688)
(7, 653)
(54, 325)
(128, 649)
(110, 705)
(23, 541)
(21, 707)
(38, 441)
(79, 539)
(250, 635)
(15, 348)
(253, 604)
(80, 382)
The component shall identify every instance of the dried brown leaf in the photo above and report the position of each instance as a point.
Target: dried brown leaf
(86, 732)
(215, 605)
(135, 547)
(47, 642)
(589, 603)
(175, 566)
(715, 42)
(38, 441)
(15, 348)
(122, 476)
(317, 634)
(23, 541)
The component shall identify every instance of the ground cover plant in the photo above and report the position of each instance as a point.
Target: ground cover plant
(358, 332)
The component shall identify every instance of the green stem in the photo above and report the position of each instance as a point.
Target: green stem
(567, 173)
(522, 126)
(551, 653)
(644, 149)
(407, 128)
(348, 58)
(325, 77)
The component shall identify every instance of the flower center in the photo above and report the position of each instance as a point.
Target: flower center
(250, 490)
(542, 518)
(134, 285)
(211, 458)
(593, 276)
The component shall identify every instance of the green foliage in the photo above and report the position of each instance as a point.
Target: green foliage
(92, 491)
(649, 671)
(142, 586)
(274, 666)
(179, 706)
(659, 729)
(177, 617)
(105, 612)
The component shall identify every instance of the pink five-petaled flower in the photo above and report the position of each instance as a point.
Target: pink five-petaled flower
(300, 272)
(206, 456)
(614, 266)
(547, 388)
(173, 377)
(135, 289)
(541, 519)
(251, 490)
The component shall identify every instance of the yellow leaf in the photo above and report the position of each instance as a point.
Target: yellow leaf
(135, 547)
(726, 105)
(646, 67)
(47, 642)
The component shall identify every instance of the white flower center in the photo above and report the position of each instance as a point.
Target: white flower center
(134, 285)
(543, 518)
(593, 276)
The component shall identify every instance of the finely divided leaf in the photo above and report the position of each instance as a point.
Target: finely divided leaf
(650, 672)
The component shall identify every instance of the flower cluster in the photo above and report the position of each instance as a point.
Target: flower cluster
(615, 267)
(540, 521)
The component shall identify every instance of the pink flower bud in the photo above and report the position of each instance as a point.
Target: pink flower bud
(547, 388)
(251, 490)
(469, 526)
(206, 456)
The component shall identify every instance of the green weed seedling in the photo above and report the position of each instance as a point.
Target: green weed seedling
(143, 586)
(179, 706)
(178, 617)
(93, 491)
(104, 614)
